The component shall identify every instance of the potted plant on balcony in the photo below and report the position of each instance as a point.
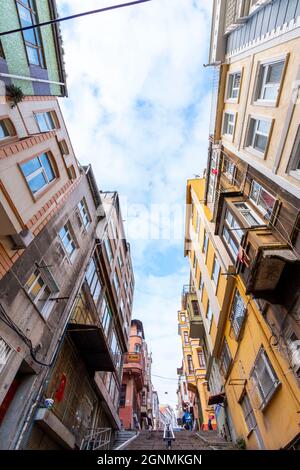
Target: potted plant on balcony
(15, 94)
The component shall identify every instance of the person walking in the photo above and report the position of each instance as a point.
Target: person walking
(187, 420)
(149, 420)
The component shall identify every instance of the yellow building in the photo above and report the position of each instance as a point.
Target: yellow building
(251, 379)
(243, 224)
(194, 365)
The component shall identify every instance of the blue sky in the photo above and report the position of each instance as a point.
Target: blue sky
(138, 111)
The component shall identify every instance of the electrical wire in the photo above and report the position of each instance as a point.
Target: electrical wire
(71, 17)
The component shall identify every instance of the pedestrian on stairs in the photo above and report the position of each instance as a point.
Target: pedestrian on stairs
(187, 420)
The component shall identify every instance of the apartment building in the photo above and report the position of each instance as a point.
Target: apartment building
(31, 60)
(136, 393)
(242, 227)
(193, 391)
(85, 379)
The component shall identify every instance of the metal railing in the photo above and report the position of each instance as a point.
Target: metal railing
(168, 435)
(98, 438)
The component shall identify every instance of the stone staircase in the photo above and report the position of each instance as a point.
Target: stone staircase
(184, 440)
(121, 437)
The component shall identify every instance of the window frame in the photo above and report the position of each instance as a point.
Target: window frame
(252, 132)
(232, 234)
(229, 88)
(82, 207)
(69, 232)
(294, 164)
(40, 170)
(47, 116)
(38, 45)
(225, 350)
(6, 123)
(5, 353)
(265, 399)
(255, 202)
(233, 124)
(229, 175)
(48, 305)
(216, 280)
(261, 81)
(234, 314)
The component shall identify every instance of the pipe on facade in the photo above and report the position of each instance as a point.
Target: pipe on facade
(30, 79)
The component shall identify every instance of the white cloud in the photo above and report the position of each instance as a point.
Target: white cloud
(138, 111)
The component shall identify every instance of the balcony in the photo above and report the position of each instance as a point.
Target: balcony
(265, 263)
(86, 332)
(134, 364)
(187, 289)
(196, 323)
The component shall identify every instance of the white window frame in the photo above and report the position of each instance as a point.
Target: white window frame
(5, 353)
(231, 174)
(265, 398)
(261, 81)
(253, 130)
(84, 212)
(230, 89)
(205, 243)
(256, 201)
(215, 275)
(7, 128)
(46, 309)
(226, 134)
(71, 240)
(294, 163)
(248, 210)
(116, 282)
(39, 170)
(237, 316)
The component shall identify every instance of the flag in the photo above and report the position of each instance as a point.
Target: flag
(59, 394)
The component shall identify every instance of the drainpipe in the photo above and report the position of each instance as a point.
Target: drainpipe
(30, 79)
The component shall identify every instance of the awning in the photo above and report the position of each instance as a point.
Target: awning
(216, 399)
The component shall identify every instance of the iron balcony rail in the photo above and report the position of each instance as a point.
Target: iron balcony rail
(98, 438)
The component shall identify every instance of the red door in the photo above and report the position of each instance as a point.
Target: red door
(9, 398)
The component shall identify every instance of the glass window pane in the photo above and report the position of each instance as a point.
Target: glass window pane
(30, 167)
(263, 126)
(275, 72)
(3, 130)
(270, 93)
(29, 36)
(47, 167)
(63, 232)
(37, 182)
(33, 55)
(260, 142)
(36, 288)
(40, 117)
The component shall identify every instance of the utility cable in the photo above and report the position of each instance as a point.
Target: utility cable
(71, 17)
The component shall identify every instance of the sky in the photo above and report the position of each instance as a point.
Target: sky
(138, 111)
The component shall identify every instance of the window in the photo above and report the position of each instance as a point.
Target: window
(6, 129)
(40, 292)
(258, 134)
(67, 240)
(205, 243)
(32, 37)
(84, 214)
(116, 350)
(238, 311)
(108, 250)
(265, 377)
(198, 222)
(183, 317)
(294, 165)
(116, 283)
(123, 395)
(1, 51)
(47, 121)
(195, 308)
(186, 337)
(106, 316)
(63, 146)
(229, 170)
(248, 213)
(209, 313)
(262, 199)
(71, 172)
(194, 260)
(201, 359)
(293, 343)
(248, 413)
(93, 280)
(190, 364)
(231, 233)
(137, 348)
(38, 172)
(228, 124)
(5, 352)
(234, 82)
(216, 271)
(225, 359)
(269, 78)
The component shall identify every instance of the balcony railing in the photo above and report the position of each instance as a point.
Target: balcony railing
(96, 439)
